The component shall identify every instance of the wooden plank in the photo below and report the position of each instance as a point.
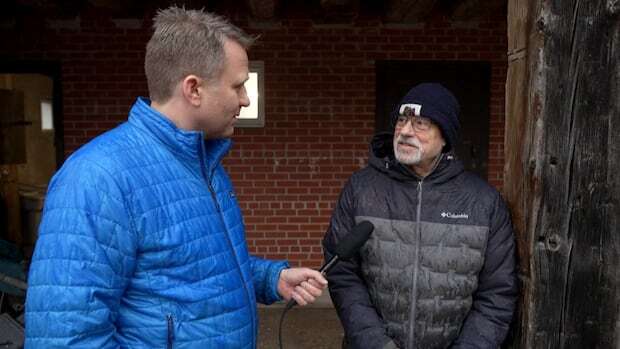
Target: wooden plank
(520, 18)
(469, 10)
(9, 195)
(518, 136)
(408, 11)
(12, 127)
(523, 135)
(263, 10)
(581, 242)
(339, 11)
(569, 226)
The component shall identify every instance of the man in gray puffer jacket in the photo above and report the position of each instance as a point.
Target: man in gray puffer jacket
(439, 270)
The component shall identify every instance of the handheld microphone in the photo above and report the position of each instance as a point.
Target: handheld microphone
(346, 248)
(349, 245)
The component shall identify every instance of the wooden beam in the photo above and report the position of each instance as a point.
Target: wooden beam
(263, 10)
(115, 5)
(562, 162)
(473, 9)
(408, 11)
(339, 11)
(522, 172)
(340, 5)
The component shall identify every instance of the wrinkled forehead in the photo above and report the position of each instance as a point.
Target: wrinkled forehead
(410, 109)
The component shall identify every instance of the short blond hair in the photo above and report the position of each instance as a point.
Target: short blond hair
(187, 42)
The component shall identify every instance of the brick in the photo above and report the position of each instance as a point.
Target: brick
(320, 105)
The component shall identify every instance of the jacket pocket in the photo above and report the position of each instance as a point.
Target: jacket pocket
(170, 322)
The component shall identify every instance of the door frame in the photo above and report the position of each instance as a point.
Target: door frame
(473, 147)
(52, 70)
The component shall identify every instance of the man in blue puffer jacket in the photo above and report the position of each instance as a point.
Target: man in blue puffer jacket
(142, 243)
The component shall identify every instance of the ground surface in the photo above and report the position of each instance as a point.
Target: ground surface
(303, 328)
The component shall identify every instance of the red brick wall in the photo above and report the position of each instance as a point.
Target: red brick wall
(320, 102)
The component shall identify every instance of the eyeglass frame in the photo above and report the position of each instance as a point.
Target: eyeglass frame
(418, 123)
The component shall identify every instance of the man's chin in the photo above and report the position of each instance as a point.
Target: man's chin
(227, 133)
(407, 159)
(410, 162)
(230, 130)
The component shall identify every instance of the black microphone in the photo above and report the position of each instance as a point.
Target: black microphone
(349, 245)
(346, 248)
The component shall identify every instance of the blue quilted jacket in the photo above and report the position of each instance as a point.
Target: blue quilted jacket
(142, 245)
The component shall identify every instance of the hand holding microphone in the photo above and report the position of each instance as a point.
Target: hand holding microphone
(301, 285)
(345, 249)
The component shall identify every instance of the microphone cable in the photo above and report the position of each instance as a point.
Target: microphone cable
(349, 245)
(288, 307)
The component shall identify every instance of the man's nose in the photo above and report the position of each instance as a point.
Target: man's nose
(244, 101)
(407, 129)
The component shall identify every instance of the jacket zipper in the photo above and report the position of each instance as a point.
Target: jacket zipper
(230, 244)
(416, 261)
(170, 321)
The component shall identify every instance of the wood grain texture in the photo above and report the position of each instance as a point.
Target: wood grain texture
(562, 173)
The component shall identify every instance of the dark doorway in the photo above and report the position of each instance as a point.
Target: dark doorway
(52, 70)
(469, 81)
(31, 147)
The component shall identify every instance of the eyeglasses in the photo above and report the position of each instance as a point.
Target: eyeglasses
(419, 123)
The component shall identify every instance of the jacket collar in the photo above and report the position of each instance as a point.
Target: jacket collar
(189, 145)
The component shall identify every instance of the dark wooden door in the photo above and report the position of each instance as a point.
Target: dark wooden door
(12, 153)
(469, 81)
(12, 127)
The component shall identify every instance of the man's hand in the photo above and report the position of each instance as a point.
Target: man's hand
(301, 284)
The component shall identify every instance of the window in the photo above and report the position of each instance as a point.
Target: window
(47, 116)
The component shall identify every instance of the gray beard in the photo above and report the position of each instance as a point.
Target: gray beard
(408, 158)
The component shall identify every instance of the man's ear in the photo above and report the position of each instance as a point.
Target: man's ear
(190, 87)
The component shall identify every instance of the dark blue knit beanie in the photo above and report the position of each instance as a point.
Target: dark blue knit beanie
(435, 102)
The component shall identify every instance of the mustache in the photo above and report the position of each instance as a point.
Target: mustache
(413, 141)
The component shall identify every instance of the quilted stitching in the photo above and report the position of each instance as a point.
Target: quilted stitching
(131, 234)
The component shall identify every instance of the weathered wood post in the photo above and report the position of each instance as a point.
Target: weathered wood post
(562, 174)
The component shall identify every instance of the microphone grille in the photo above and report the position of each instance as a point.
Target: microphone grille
(353, 241)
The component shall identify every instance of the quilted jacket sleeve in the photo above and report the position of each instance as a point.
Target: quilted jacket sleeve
(265, 275)
(494, 302)
(363, 326)
(83, 259)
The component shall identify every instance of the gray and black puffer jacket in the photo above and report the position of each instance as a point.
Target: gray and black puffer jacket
(438, 271)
